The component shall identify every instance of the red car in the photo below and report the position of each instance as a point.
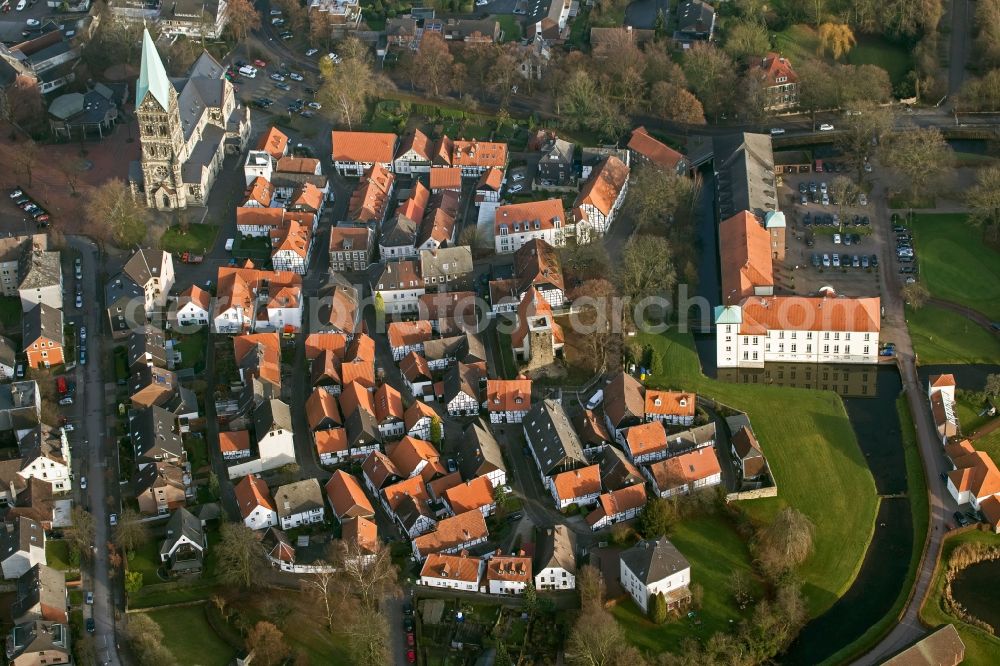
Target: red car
(410, 640)
(411, 656)
(259, 63)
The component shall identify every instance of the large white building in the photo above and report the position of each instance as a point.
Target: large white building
(655, 567)
(797, 329)
(516, 224)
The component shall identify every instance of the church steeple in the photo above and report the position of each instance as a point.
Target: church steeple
(152, 76)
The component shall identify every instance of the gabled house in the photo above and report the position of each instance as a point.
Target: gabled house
(489, 186)
(516, 224)
(548, 21)
(42, 341)
(332, 446)
(555, 559)
(154, 436)
(555, 446)
(417, 376)
(686, 473)
(364, 533)
(407, 336)
(412, 457)
(454, 572)
(259, 194)
(480, 455)
(452, 535)
(648, 150)
(624, 404)
(473, 494)
(273, 431)
(389, 412)
(580, 486)
(555, 166)
(414, 153)
(508, 400)
(151, 386)
(147, 347)
(39, 641)
(408, 504)
(8, 358)
(379, 472)
(45, 454)
(183, 551)
(463, 389)
(124, 305)
(250, 299)
(370, 200)
(324, 373)
(695, 22)
(780, 82)
(974, 480)
(153, 272)
(600, 198)
(399, 237)
(399, 285)
(507, 575)
(536, 264)
(346, 497)
(941, 393)
(41, 595)
(646, 442)
(592, 431)
(291, 246)
(41, 279)
(20, 405)
(161, 487)
(255, 503)
(322, 411)
(299, 503)
(362, 433)
(654, 567)
(258, 356)
(355, 152)
(617, 471)
(449, 312)
(22, 546)
(448, 269)
(274, 142)
(351, 248)
(746, 451)
(474, 157)
(617, 506)
(339, 309)
(418, 419)
(441, 353)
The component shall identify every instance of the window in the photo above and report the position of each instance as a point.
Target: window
(826, 349)
(866, 349)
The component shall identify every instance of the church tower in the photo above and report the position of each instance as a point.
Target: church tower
(160, 134)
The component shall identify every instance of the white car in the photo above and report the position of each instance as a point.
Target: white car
(311, 52)
(79, 301)
(275, 12)
(826, 127)
(315, 105)
(295, 76)
(518, 176)
(83, 483)
(775, 131)
(68, 427)
(113, 519)
(83, 334)
(33, 23)
(21, 5)
(333, 57)
(481, 3)
(65, 401)
(516, 188)
(836, 239)
(248, 71)
(863, 199)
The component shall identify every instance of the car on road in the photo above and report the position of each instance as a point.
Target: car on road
(515, 188)
(91, 625)
(83, 483)
(275, 12)
(19, 371)
(410, 640)
(277, 20)
(16, 193)
(63, 402)
(408, 623)
(78, 268)
(89, 598)
(868, 167)
(411, 657)
(288, 34)
(33, 23)
(826, 127)
(408, 609)
(21, 5)
(311, 52)
(452, 465)
(79, 301)
(83, 356)
(775, 131)
(295, 76)
(113, 519)
(83, 334)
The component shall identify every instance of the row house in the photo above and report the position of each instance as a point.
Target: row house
(646, 443)
(353, 153)
(153, 272)
(389, 412)
(347, 498)
(399, 285)
(489, 186)
(600, 198)
(437, 229)
(480, 455)
(252, 299)
(507, 575)
(462, 389)
(686, 473)
(418, 420)
(516, 224)
(291, 246)
(580, 487)
(473, 157)
(474, 494)
(41, 279)
(446, 178)
(370, 201)
(417, 376)
(617, 506)
(452, 572)
(45, 455)
(339, 311)
(351, 248)
(508, 400)
(452, 535)
(414, 154)
(407, 336)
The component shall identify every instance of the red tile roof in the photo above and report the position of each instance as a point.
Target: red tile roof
(509, 569)
(388, 404)
(347, 497)
(408, 333)
(670, 403)
(378, 468)
(578, 482)
(252, 492)
(321, 405)
(508, 395)
(306, 165)
(808, 313)
(601, 190)
(365, 147)
(453, 532)
(446, 178)
(316, 343)
(646, 438)
(274, 142)
(745, 257)
(451, 567)
(685, 468)
(260, 191)
(470, 495)
(409, 452)
(774, 67)
(618, 501)
(233, 441)
(478, 153)
(653, 150)
(544, 214)
(362, 531)
(332, 441)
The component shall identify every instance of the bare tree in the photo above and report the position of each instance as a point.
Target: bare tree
(596, 313)
(131, 532)
(864, 124)
(646, 270)
(268, 644)
(239, 555)
(983, 200)
(916, 295)
(434, 62)
(920, 155)
(367, 573)
(241, 18)
(785, 543)
(367, 637)
(146, 639)
(590, 584)
(347, 87)
(114, 213)
(81, 531)
(322, 584)
(27, 157)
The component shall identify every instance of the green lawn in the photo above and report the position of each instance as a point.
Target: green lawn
(942, 336)
(980, 647)
(955, 264)
(917, 490)
(10, 314)
(197, 451)
(146, 560)
(813, 453)
(57, 554)
(192, 349)
(511, 27)
(991, 445)
(874, 50)
(190, 638)
(715, 550)
(199, 238)
(797, 42)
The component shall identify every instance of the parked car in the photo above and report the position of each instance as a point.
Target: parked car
(856, 261)
(19, 371)
(865, 263)
(515, 188)
(295, 76)
(816, 261)
(248, 71)
(91, 625)
(826, 199)
(277, 77)
(288, 34)
(113, 519)
(83, 356)
(775, 131)
(961, 519)
(836, 239)
(826, 127)
(315, 105)
(89, 599)
(862, 199)
(311, 52)
(16, 193)
(826, 260)
(836, 260)
(63, 402)
(78, 268)
(283, 86)
(83, 483)
(259, 63)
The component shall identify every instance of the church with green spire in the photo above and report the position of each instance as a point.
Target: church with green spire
(187, 126)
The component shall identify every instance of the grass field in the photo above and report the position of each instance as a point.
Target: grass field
(797, 43)
(146, 560)
(955, 264)
(942, 336)
(57, 554)
(715, 550)
(873, 50)
(198, 238)
(991, 445)
(192, 349)
(980, 647)
(190, 638)
(511, 27)
(813, 453)
(917, 490)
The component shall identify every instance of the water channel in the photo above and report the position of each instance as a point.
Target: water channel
(975, 588)
(873, 418)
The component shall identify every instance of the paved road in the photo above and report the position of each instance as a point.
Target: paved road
(101, 455)
(961, 43)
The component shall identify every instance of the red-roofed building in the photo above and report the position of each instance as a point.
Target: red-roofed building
(234, 445)
(453, 572)
(781, 83)
(194, 305)
(260, 194)
(255, 503)
(446, 178)
(672, 407)
(418, 419)
(414, 153)
(508, 400)
(686, 473)
(351, 248)
(579, 486)
(389, 412)
(347, 498)
(471, 495)
(516, 224)
(331, 446)
(745, 258)
(619, 505)
(646, 442)
(355, 152)
(274, 142)
(600, 198)
(649, 150)
(452, 535)
(507, 575)
(408, 336)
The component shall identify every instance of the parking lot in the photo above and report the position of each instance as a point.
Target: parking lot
(831, 243)
(287, 90)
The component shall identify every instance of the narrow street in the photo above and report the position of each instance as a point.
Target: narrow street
(98, 458)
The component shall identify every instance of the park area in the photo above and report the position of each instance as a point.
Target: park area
(814, 456)
(941, 336)
(190, 638)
